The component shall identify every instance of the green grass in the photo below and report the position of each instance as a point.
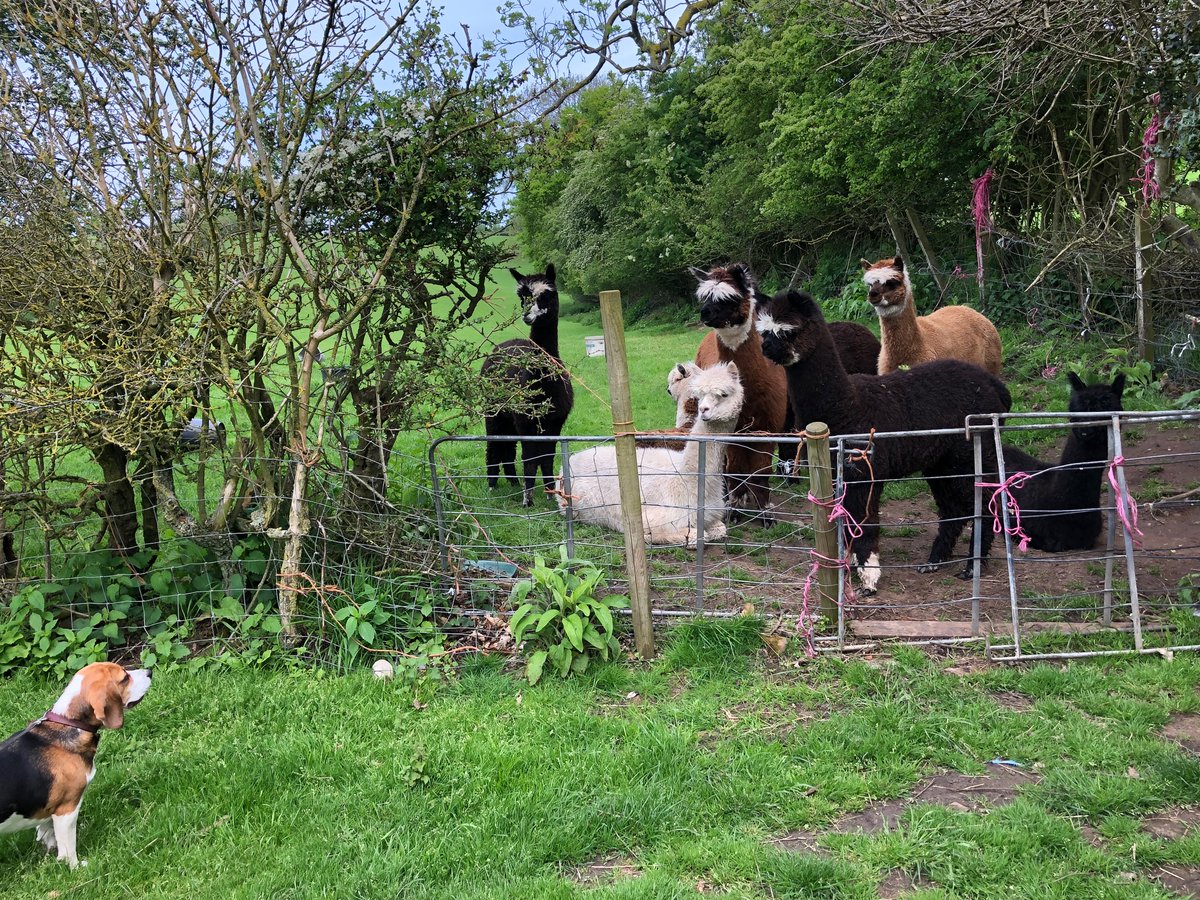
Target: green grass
(254, 784)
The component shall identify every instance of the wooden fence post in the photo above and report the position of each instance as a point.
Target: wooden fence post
(627, 471)
(826, 542)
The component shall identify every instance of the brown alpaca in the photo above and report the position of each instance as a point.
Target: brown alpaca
(727, 298)
(952, 332)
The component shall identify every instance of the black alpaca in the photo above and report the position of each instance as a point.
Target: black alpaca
(536, 388)
(1060, 506)
(938, 394)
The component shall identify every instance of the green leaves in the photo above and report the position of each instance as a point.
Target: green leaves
(560, 620)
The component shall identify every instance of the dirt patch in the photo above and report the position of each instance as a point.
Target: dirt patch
(965, 793)
(772, 722)
(897, 884)
(1013, 700)
(1181, 880)
(953, 790)
(1172, 824)
(605, 868)
(1184, 730)
(1091, 835)
(799, 842)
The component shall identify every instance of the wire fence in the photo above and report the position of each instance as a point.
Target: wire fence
(432, 575)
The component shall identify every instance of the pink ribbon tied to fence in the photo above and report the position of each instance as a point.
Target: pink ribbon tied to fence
(1006, 488)
(806, 624)
(1125, 505)
(838, 511)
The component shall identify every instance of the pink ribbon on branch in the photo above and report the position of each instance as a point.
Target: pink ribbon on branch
(981, 212)
(1146, 173)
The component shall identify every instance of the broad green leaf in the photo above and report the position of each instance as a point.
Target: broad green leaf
(533, 669)
(573, 626)
(604, 617)
(546, 618)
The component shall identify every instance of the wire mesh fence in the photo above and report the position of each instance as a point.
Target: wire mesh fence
(429, 571)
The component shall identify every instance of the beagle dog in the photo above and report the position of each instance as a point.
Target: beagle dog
(45, 769)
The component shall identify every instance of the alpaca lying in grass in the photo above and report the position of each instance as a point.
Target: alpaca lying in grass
(952, 332)
(1060, 505)
(932, 396)
(669, 479)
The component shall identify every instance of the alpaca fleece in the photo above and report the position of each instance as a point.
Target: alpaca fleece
(669, 479)
(1060, 505)
(535, 385)
(952, 332)
(931, 396)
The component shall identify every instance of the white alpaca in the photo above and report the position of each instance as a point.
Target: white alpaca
(669, 479)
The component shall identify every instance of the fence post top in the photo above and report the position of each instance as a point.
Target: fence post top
(816, 430)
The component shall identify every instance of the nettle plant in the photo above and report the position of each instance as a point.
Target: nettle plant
(560, 619)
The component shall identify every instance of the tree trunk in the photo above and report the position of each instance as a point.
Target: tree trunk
(898, 235)
(120, 504)
(943, 282)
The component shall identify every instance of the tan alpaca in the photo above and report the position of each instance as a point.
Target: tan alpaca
(952, 332)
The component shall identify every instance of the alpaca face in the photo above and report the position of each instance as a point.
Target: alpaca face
(718, 392)
(789, 324)
(538, 294)
(888, 287)
(726, 295)
(1097, 398)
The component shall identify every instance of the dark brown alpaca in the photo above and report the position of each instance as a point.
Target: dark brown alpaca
(935, 395)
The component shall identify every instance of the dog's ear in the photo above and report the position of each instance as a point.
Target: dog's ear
(108, 705)
(1076, 382)
(515, 274)
(550, 273)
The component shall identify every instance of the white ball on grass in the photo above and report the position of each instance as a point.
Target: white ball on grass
(383, 669)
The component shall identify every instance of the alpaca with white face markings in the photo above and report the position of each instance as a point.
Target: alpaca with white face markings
(729, 297)
(669, 479)
(536, 389)
(936, 395)
(952, 332)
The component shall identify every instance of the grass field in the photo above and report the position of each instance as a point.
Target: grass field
(672, 780)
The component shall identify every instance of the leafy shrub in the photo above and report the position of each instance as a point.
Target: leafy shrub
(561, 620)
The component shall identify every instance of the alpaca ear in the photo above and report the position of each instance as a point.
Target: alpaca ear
(742, 273)
(515, 274)
(732, 369)
(866, 264)
(681, 368)
(898, 262)
(802, 302)
(550, 274)
(699, 274)
(1077, 382)
(1118, 384)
